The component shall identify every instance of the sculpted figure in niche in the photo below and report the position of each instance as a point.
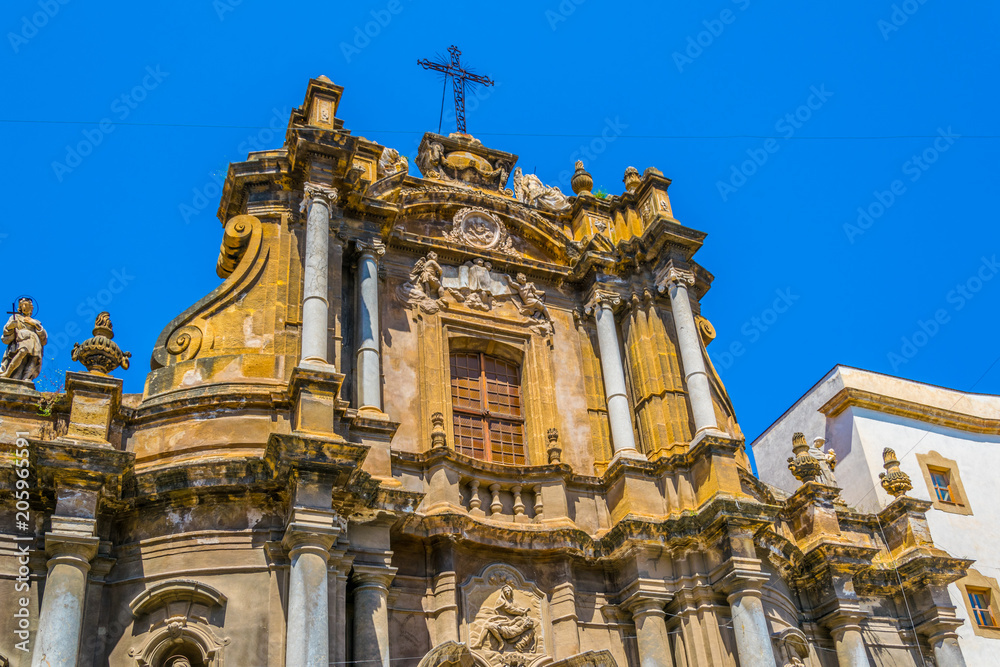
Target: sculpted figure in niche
(25, 338)
(529, 189)
(532, 298)
(510, 623)
(426, 275)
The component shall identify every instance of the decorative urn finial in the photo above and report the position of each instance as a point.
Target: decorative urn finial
(803, 465)
(582, 182)
(554, 450)
(631, 179)
(99, 354)
(439, 438)
(894, 480)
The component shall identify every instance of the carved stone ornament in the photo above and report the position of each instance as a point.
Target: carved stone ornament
(478, 228)
(827, 462)
(321, 193)
(506, 618)
(803, 465)
(391, 162)
(894, 480)
(100, 354)
(25, 338)
(475, 285)
(461, 158)
(529, 189)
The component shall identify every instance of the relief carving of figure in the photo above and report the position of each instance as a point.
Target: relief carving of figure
(529, 189)
(391, 162)
(25, 338)
(532, 298)
(510, 623)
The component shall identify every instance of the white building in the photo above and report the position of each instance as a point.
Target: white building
(947, 441)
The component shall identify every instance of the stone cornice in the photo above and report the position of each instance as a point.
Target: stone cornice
(859, 398)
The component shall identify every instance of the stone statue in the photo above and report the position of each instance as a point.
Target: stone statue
(479, 276)
(532, 298)
(426, 275)
(179, 661)
(529, 189)
(25, 338)
(510, 623)
(391, 162)
(827, 462)
(430, 160)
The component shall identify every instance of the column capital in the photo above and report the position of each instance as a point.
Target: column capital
(319, 193)
(602, 298)
(378, 576)
(373, 248)
(738, 585)
(312, 530)
(71, 549)
(843, 620)
(641, 606)
(674, 275)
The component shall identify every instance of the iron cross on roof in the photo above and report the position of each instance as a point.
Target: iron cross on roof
(458, 78)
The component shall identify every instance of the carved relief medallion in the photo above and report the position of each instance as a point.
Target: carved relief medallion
(506, 618)
(478, 228)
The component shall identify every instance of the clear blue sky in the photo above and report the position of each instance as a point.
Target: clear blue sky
(694, 89)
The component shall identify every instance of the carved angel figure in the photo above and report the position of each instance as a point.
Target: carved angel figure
(529, 189)
(532, 298)
(25, 338)
(426, 275)
(391, 162)
(510, 623)
(430, 161)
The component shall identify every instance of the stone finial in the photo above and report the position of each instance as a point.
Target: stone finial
(582, 182)
(631, 179)
(99, 354)
(438, 435)
(555, 451)
(803, 465)
(894, 481)
(25, 338)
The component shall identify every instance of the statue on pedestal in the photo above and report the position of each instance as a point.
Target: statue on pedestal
(529, 189)
(25, 338)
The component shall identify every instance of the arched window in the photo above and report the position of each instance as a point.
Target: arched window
(486, 403)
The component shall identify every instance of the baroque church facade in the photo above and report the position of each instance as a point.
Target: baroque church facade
(452, 417)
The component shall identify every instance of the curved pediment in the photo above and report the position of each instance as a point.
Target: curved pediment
(442, 214)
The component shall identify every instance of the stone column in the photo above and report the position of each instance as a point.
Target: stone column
(308, 539)
(753, 641)
(318, 202)
(947, 652)
(371, 615)
(369, 338)
(57, 641)
(651, 632)
(847, 639)
(688, 340)
(619, 414)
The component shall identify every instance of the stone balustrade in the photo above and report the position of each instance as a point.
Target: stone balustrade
(503, 501)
